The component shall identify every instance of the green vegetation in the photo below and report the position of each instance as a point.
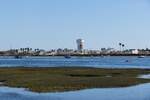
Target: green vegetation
(66, 79)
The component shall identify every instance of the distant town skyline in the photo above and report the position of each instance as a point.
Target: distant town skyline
(52, 24)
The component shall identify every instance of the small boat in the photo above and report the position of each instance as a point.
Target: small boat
(18, 57)
(67, 56)
(127, 61)
(141, 56)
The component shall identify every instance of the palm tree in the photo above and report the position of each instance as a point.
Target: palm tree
(123, 46)
(30, 49)
(21, 49)
(120, 44)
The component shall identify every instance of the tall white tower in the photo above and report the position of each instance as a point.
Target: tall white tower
(80, 43)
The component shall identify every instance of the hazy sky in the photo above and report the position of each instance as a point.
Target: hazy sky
(58, 23)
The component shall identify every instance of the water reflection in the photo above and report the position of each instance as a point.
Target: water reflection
(145, 76)
(140, 92)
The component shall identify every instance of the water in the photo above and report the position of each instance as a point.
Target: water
(140, 92)
(106, 62)
(147, 76)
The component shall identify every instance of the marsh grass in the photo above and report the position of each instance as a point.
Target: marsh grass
(67, 79)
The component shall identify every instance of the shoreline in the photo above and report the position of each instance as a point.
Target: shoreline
(59, 79)
(79, 55)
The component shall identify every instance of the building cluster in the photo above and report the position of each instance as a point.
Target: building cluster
(80, 51)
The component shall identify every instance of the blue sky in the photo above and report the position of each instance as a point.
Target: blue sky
(58, 23)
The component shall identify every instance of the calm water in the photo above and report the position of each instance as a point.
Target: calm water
(107, 62)
(140, 92)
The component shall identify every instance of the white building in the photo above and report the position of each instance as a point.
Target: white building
(135, 51)
(80, 44)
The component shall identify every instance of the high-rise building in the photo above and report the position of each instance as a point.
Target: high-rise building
(80, 43)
